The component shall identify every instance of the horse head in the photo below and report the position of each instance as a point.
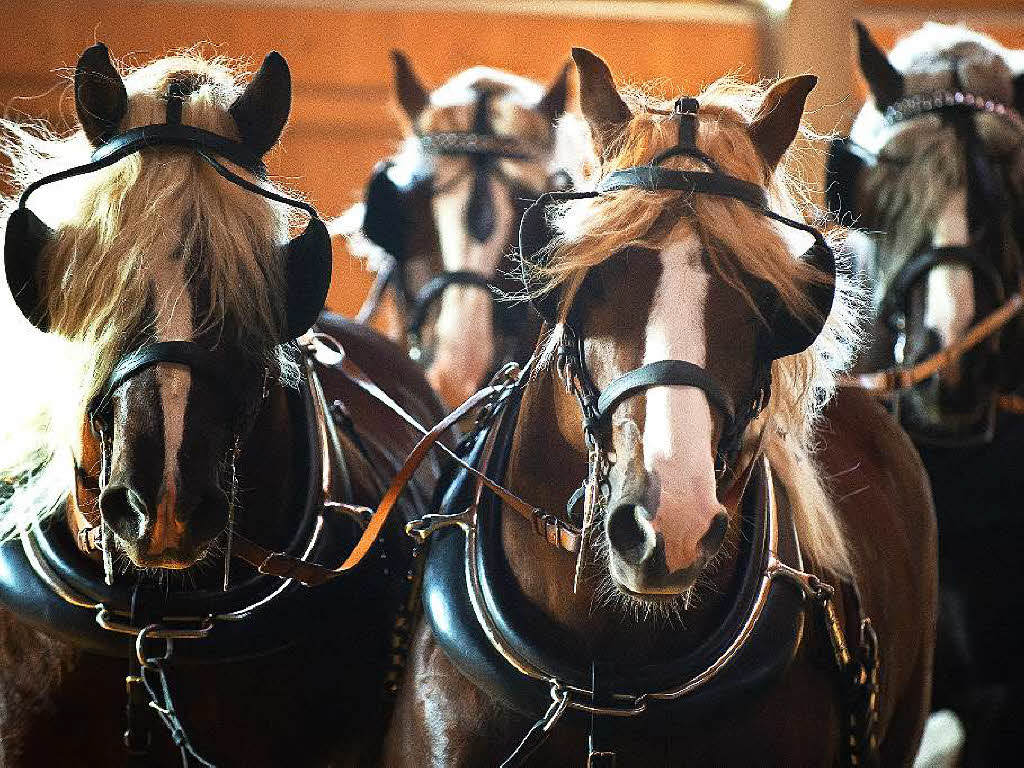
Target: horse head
(685, 299)
(173, 275)
(934, 168)
(478, 149)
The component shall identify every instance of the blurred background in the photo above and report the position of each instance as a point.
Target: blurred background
(342, 118)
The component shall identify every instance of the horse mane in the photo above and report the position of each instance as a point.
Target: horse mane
(738, 242)
(117, 228)
(910, 192)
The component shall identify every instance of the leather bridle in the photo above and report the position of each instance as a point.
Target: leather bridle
(952, 105)
(483, 149)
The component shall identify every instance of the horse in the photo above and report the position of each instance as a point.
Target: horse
(932, 170)
(166, 441)
(440, 218)
(740, 535)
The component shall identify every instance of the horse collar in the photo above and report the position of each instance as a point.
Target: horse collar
(522, 659)
(47, 582)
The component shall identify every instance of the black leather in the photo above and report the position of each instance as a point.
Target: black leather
(446, 602)
(433, 291)
(177, 135)
(24, 240)
(844, 165)
(393, 204)
(653, 178)
(666, 373)
(280, 622)
(186, 353)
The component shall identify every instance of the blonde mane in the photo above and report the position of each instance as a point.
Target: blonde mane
(738, 241)
(116, 229)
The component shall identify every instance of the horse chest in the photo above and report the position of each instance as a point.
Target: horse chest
(60, 706)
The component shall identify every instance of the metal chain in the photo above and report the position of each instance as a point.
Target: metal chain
(161, 701)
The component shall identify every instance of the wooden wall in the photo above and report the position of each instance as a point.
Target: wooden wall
(342, 120)
(338, 51)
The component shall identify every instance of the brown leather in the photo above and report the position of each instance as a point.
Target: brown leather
(311, 574)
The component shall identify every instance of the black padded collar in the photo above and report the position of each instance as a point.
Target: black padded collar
(447, 604)
(277, 608)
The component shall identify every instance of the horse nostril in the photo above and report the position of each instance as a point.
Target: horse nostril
(711, 541)
(630, 534)
(123, 509)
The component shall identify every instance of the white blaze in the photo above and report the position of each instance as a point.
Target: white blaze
(949, 304)
(464, 332)
(173, 323)
(677, 441)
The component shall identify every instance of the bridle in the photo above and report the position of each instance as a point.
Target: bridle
(955, 106)
(483, 149)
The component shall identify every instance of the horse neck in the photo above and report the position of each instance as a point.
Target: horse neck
(545, 468)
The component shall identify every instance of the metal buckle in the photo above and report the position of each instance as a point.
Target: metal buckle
(422, 529)
(105, 618)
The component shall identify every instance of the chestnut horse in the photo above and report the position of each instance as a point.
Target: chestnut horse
(934, 170)
(167, 421)
(735, 543)
(441, 218)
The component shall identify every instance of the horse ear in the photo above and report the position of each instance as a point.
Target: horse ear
(412, 96)
(778, 118)
(100, 97)
(552, 105)
(600, 102)
(261, 112)
(884, 81)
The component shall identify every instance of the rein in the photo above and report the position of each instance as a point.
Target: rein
(902, 377)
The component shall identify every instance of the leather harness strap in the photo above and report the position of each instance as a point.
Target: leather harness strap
(311, 574)
(666, 373)
(900, 377)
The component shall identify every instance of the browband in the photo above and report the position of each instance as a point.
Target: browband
(654, 178)
(178, 135)
(146, 136)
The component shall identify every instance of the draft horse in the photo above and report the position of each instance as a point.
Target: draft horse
(933, 168)
(172, 443)
(441, 218)
(715, 592)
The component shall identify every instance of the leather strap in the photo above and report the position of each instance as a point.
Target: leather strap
(902, 377)
(653, 178)
(312, 574)
(178, 135)
(433, 291)
(666, 373)
(186, 353)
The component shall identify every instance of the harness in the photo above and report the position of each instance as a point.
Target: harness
(519, 658)
(847, 160)
(531, 666)
(396, 198)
